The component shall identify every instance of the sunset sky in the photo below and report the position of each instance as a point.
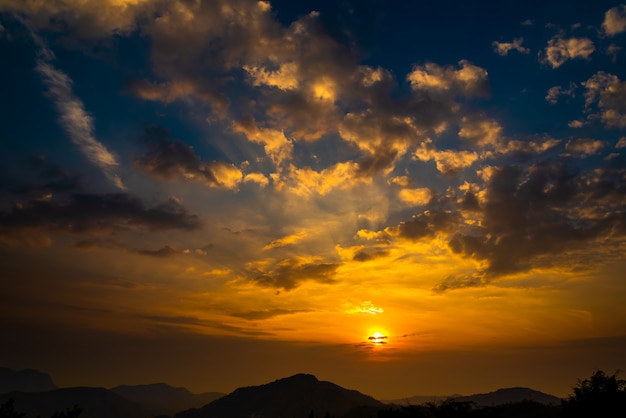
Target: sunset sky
(402, 197)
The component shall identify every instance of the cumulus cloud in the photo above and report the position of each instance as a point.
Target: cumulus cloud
(615, 20)
(583, 146)
(503, 48)
(89, 18)
(425, 224)
(276, 145)
(560, 50)
(608, 93)
(171, 159)
(534, 214)
(480, 131)
(416, 197)
(467, 81)
(448, 162)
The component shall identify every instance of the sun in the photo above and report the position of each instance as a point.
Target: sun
(378, 338)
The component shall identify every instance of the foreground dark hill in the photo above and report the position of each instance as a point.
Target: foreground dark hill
(95, 403)
(292, 397)
(28, 380)
(163, 399)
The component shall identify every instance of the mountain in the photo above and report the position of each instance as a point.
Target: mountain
(95, 403)
(291, 397)
(163, 399)
(28, 380)
(510, 395)
(499, 397)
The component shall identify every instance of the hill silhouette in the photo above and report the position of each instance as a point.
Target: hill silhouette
(293, 397)
(27, 380)
(509, 395)
(163, 399)
(94, 402)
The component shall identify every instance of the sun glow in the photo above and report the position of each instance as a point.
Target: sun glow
(378, 338)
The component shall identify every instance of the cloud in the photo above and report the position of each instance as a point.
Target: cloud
(267, 314)
(89, 18)
(290, 273)
(584, 146)
(503, 48)
(287, 240)
(467, 81)
(99, 214)
(191, 321)
(75, 120)
(448, 162)
(479, 131)
(425, 225)
(416, 197)
(553, 94)
(458, 281)
(172, 159)
(44, 178)
(363, 256)
(110, 244)
(538, 213)
(366, 307)
(608, 93)
(560, 50)
(276, 145)
(621, 143)
(615, 20)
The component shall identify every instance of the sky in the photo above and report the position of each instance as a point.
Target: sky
(404, 198)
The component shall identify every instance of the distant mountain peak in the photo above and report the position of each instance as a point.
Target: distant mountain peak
(27, 380)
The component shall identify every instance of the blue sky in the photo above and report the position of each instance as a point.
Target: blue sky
(296, 177)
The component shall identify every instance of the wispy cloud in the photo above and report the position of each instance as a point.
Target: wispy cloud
(77, 123)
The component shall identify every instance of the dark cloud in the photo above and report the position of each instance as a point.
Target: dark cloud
(544, 210)
(369, 255)
(426, 224)
(267, 314)
(91, 213)
(289, 274)
(163, 252)
(170, 159)
(42, 177)
(187, 321)
(458, 281)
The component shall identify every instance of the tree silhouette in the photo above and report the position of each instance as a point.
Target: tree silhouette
(7, 410)
(600, 395)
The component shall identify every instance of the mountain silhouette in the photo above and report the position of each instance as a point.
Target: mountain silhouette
(27, 380)
(510, 395)
(498, 397)
(95, 403)
(291, 397)
(163, 399)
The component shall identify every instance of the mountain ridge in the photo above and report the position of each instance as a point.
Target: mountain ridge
(295, 396)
